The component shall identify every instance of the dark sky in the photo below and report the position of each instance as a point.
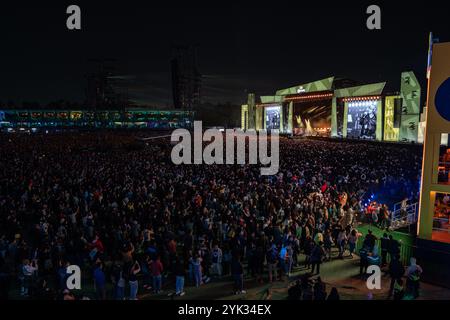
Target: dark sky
(243, 46)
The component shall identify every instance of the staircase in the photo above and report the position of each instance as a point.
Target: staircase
(404, 215)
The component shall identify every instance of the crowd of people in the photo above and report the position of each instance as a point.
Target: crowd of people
(136, 223)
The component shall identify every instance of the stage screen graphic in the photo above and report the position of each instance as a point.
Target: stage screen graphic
(62, 115)
(312, 118)
(76, 115)
(49, 116)
(362, 119)
(36, 115)
(409, 128)
(273, 117)
(391, 131)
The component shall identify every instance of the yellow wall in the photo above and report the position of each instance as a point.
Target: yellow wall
(379, 128)
(390, 133)
(259, 118)
(244, 117)
(435, 126)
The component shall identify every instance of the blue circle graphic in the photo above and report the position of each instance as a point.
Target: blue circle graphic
(442, 100)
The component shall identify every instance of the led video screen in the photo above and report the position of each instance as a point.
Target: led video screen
(362, 119)
(273, 117)
(312, 119)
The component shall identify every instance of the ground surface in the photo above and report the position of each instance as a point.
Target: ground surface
(404, 238)
(342, 274)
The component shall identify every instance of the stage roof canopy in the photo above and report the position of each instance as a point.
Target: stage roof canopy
(319, 85)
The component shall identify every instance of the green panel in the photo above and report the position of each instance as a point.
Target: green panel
(364, 90)
(291, 111)
(244, 117)
(259, 118)
(320, 85)
(271, 99)
(410, 93)
(409, 128)
(379, 129)
(333, 118)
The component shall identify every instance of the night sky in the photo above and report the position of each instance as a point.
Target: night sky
(243, 46)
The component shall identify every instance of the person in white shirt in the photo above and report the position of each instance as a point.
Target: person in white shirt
(28, 271)
(216, 258)
(342, 242)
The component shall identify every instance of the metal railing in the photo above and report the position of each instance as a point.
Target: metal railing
(440, 222)
(406, 251)
(403, 215)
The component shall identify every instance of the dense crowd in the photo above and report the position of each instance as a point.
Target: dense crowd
(135, 222)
